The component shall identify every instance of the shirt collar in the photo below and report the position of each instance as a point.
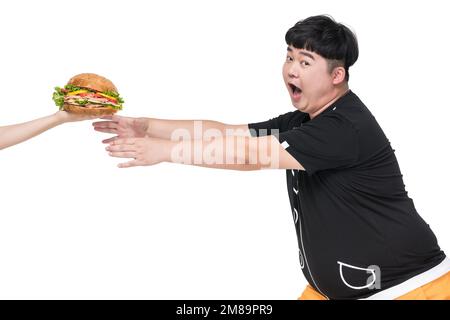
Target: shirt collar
(341, 101)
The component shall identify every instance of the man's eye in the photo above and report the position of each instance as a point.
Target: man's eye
(304, 63)
(288, 58)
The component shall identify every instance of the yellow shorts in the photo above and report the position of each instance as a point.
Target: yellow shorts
(438, 289)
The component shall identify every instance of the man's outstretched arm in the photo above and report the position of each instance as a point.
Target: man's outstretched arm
(165, 129)
(222, 152)
(129, 127)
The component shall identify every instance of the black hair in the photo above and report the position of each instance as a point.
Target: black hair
(324, 36)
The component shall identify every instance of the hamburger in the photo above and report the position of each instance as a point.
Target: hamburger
(88, 93)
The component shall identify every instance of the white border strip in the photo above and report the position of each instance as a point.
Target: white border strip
(413, 283)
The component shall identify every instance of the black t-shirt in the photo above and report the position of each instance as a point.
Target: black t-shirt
(358, 231)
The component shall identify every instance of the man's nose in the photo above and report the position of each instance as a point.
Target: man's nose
(293, 71)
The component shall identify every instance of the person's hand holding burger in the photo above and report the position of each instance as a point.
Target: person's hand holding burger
(86, 96)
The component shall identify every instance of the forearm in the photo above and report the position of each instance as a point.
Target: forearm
(232, 153)
(192, 129)
(13, 134)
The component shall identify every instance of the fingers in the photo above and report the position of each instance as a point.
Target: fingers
(132, 163)
(110, 139)
(120, 154)
(129, 141)
(114, 117)
(106, 124)
(122, 147)
(106, 130)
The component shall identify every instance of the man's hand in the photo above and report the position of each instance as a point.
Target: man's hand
(144, 151)
(123, 127)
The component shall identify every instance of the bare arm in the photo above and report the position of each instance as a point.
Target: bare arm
(165, 129)
(231, 152)
(17, 133)
(129, 127)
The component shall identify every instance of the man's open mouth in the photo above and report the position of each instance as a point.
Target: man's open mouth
(296, 91)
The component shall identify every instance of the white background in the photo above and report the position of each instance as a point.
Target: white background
(73, 225)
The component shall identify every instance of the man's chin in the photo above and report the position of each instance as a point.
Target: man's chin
(298, 106)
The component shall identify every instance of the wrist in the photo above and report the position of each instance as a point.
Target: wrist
(58, 117)
(149, 122)
(168, 147)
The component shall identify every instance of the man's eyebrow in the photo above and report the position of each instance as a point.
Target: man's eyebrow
(309, 55)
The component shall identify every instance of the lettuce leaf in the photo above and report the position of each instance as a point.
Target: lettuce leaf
(81, 102)
(58, 97)
(71, 88)
(114, 95)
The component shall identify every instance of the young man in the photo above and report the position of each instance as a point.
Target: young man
(359, 234)
(17, 133)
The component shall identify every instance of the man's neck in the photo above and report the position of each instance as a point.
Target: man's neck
(333, 98)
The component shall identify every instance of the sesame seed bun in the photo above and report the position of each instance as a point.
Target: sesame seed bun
(92, 81)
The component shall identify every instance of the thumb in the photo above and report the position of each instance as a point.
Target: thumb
(110, 139)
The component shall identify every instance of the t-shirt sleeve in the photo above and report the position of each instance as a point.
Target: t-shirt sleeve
(272, 126)
(328, 142)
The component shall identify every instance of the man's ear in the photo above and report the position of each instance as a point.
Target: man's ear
(338, 75)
